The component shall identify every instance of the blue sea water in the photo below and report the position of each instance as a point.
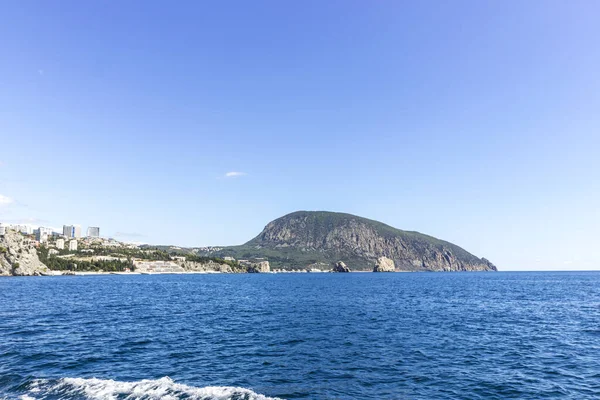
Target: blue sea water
(302, 336)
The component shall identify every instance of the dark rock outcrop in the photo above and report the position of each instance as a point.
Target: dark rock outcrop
(340, 266)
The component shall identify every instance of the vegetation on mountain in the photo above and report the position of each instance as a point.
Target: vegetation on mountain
(71, 264)
(307, 237)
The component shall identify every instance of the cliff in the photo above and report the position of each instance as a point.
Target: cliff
(207, 266)
(18, 256)
(302, 238)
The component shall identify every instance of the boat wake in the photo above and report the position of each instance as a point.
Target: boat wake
(106, 389)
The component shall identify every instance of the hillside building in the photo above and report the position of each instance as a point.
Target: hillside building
(41, 236)
(93, 231)
(72, 231)
(25, 229)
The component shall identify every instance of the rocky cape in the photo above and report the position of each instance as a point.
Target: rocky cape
(303, 238)
(18, 256)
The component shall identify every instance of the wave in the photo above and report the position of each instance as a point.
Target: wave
(147, 389)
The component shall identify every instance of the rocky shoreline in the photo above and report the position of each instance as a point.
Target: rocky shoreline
(19, 257)
(52, 273)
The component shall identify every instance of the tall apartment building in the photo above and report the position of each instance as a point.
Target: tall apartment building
(60, 244)
(93, 231)
(45, 231)
(72, 231)
(73, 245)
(41, 235)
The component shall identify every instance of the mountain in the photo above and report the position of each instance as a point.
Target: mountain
(302, 238)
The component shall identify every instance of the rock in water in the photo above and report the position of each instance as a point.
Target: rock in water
(18, 256)
(384, 264)
(258, 267)
(340, 266)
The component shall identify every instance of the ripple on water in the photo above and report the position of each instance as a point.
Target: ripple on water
(302, 336)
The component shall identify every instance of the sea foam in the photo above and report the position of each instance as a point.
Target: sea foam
(107, 389)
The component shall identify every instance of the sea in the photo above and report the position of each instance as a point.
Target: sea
(486, 335)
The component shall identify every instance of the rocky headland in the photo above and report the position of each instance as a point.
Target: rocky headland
(18, 256)
(304, 238)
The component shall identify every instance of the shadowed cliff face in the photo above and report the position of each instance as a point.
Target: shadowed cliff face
(356, 240)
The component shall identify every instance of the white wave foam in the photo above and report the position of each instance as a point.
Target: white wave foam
(164, 388)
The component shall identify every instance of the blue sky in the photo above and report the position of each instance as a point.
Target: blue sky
(474, 121)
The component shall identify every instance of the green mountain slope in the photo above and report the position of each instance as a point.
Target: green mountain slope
(305, 237)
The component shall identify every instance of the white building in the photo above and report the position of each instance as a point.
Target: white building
(42, 234)
(2, 230)
(52, 252)
(72, 245)
(47, 231)
(25, 229)
(93, 231)
(60, 244)
(72, 231)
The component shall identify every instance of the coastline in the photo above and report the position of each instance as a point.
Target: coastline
(293, 272)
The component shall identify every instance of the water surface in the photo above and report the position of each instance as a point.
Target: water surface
(302, 336)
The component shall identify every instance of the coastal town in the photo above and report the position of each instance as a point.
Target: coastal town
(69, 252)
(27, 250)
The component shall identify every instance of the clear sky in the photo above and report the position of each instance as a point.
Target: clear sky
(198, 122)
